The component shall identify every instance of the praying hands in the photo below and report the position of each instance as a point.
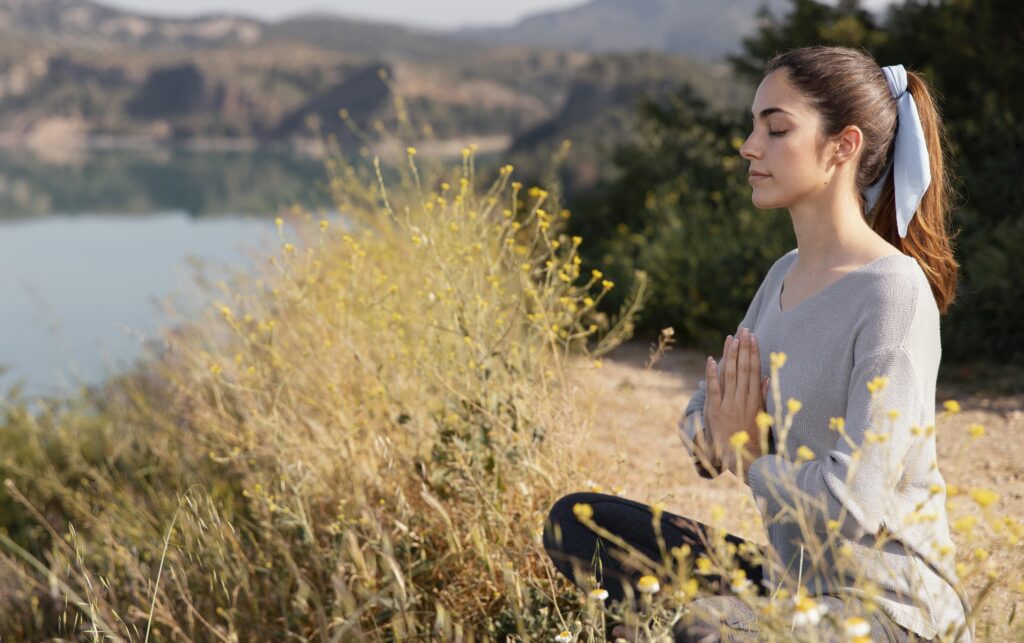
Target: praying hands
(735, 395)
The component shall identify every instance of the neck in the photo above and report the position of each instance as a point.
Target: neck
(830, 230)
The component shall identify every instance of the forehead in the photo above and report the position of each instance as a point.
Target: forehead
(776, 96)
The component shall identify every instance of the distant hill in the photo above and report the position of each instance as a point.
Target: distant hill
(699, 28)
(76, 72)
(84, 23)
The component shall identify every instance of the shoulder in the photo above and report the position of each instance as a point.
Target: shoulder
(896, 305)
(896, 284)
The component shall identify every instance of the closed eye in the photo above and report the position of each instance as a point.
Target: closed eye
(778, 133)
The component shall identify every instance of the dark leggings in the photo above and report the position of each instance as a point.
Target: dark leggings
(568, 542)
(571, 546)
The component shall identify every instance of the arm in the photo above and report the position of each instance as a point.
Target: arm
(855, 481)
(696, 439)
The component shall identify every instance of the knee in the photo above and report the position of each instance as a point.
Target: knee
(561, 517)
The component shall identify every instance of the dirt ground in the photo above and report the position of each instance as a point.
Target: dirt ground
(633, 449)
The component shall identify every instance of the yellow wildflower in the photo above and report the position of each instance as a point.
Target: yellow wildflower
(965, 523)
(804, 453)
(952, 406)
(976, 430)
(877, 384)
(583, 511)
(739, 439)
(984, 497)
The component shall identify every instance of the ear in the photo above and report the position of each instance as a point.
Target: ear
(847, 145)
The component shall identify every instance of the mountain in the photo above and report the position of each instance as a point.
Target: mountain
(78, 72)
(83, 22)
(87, 23)
(696, 28)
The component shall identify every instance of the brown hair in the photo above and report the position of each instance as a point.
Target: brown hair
(847, 87)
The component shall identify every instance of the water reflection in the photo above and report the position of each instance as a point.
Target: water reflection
(202, 184)
(89, 245)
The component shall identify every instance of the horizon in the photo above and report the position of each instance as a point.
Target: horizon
(443, 15)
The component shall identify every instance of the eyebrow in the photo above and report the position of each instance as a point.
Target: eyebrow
(767, 111)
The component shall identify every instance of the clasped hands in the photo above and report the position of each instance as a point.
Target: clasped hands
(735, 394)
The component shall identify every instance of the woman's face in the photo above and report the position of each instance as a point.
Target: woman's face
(783, 146)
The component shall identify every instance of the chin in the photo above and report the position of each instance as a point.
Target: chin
(764, 201)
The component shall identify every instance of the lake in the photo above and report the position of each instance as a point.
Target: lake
(91, 242)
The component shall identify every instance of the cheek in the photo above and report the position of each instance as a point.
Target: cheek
(795, 160)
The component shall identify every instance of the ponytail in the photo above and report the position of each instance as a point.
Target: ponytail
(928, 239)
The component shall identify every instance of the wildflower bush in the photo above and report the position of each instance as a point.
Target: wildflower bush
(357, 443)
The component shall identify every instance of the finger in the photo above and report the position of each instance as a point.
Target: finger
(721, 361)
(714, 390)
(754, 378)
(731, 368)
(743, 369)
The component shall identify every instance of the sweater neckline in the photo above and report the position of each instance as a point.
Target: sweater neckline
(822, 291)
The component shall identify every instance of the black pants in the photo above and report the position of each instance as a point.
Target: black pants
(569, 543)
(572, 546)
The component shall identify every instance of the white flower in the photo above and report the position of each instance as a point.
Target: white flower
(599, 594)
(808, 611)
(857, 627)
(564, 637)
(740, 583)
(648, 584)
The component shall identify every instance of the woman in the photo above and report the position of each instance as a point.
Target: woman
(855, 152)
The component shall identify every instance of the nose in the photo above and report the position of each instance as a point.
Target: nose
(748, 150)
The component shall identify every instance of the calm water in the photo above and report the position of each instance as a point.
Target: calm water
(89, 246)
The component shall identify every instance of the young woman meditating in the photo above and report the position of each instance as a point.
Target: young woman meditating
(855, 152)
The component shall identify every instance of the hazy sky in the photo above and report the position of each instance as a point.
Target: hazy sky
(437, 14)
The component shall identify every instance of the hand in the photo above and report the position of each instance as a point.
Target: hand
(736, 393)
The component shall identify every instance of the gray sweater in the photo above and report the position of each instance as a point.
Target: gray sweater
(878, 320)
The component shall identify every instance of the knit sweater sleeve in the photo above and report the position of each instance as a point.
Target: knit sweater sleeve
(693, 420)
(854, 482)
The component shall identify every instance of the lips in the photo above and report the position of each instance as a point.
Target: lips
(754, 177)
(758, 174)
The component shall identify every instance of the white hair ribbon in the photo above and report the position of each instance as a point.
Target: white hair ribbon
(911, 173)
